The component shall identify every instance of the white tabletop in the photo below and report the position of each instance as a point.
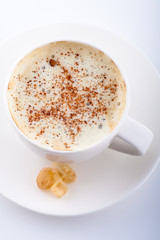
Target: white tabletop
(138, 216)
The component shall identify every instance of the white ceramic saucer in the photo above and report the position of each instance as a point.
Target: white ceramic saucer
(101, 181)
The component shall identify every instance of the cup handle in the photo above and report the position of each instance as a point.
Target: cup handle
(134, 138)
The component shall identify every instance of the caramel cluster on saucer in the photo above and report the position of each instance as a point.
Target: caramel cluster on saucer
(55, 178)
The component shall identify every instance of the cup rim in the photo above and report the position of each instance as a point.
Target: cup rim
(109, 136)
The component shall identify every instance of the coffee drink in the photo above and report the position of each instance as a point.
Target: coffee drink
(66, 95)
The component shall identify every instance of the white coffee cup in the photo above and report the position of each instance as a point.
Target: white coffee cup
(129, 136)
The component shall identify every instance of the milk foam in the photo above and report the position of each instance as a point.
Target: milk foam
(70, 105)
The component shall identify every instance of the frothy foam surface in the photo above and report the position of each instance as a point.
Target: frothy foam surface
(66, 95)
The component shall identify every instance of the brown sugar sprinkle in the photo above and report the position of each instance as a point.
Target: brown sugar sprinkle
(52, 62)
(40, 133)
(66, 145)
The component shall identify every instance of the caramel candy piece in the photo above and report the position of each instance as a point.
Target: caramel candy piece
(59, 188)
(65, 172)
(47, 177)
